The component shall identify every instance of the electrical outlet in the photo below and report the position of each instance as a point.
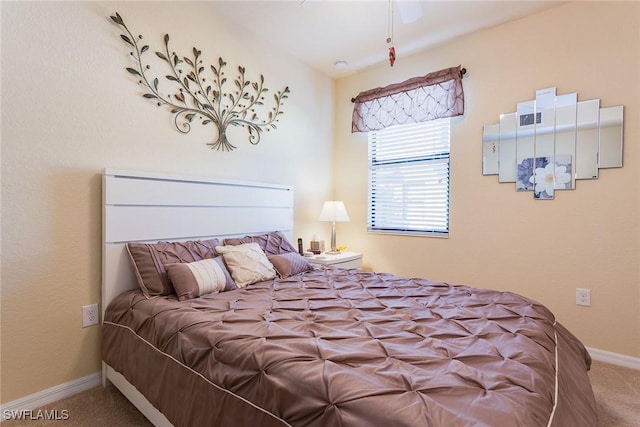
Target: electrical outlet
(89, 315)
(583, 297)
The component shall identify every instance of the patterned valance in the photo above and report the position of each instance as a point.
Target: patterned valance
(434, 96)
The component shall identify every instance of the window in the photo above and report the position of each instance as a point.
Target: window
(409, 179)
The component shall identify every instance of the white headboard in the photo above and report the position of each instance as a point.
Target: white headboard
(149, 207)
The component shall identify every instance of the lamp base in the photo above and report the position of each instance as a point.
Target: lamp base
(333, 252)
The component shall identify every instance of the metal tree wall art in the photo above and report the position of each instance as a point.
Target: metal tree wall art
(195, 96)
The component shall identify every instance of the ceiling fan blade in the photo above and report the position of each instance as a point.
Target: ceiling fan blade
(410, 11)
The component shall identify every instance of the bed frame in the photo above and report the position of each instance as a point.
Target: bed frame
(150, 207)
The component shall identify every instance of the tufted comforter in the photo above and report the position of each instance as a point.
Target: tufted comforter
(334, 347)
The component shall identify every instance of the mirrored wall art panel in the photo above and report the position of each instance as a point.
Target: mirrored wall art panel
(507, 148)
(490, 138)
(610, 137)
(544, 176)
(565, 132)
(551, 141)
(525, 141)
(587, 139)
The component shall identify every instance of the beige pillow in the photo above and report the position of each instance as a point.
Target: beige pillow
(194, 279)
(248, 263)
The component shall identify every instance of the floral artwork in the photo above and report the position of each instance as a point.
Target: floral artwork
(525, 172)
(563, 176)
(543, 175)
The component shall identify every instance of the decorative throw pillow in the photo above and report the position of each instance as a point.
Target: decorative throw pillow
(289, 264)
(271, 243)
(248, 263)
(194, 279)
(149, 260)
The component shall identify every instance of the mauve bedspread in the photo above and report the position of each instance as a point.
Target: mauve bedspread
(336, 347)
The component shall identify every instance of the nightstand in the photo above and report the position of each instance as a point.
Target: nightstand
(344, 259)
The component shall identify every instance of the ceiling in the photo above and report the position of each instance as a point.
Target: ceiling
(322, 32)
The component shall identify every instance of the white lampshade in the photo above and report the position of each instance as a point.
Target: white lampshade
(334, 210)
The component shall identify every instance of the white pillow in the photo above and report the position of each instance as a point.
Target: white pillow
(247, 263)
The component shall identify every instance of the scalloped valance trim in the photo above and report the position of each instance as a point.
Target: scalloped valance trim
(419, 99)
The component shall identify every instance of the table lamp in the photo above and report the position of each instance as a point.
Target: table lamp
(333, 211)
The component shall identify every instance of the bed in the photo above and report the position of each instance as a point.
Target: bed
(287, 343)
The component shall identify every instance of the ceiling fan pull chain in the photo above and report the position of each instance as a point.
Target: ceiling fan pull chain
(392, 49)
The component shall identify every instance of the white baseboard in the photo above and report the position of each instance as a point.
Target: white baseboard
(614, 358)
(53, 394)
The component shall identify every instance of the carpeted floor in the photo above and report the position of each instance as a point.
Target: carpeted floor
(617, 391)
(97, 407)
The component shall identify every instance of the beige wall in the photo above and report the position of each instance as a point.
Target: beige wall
(588, 238)
(69, 109)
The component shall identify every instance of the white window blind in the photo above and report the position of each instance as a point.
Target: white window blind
(409, 179)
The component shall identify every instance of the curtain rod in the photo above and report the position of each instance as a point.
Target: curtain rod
(463, 71)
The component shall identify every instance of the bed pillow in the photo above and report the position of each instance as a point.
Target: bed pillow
(289, 264)
(248, 263)
(271, 243)
(194, 279)
(149, 260)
